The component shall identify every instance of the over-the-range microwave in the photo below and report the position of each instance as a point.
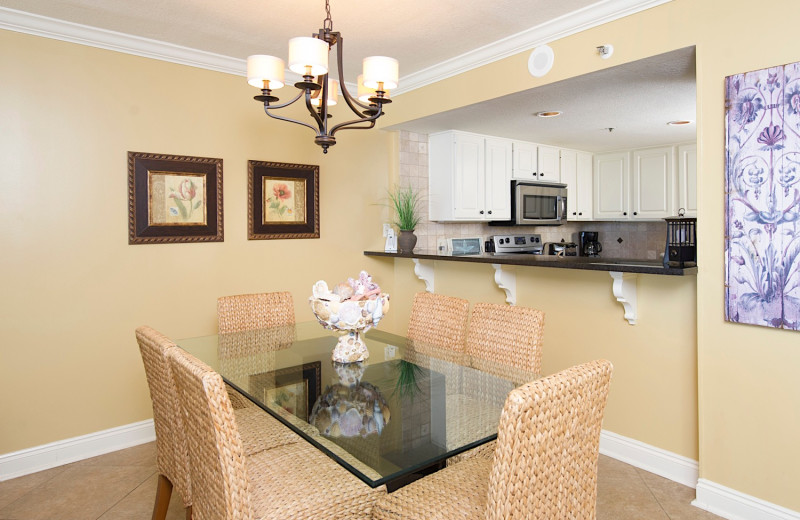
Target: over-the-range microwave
(536, 204)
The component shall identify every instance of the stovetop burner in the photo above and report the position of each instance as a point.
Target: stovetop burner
(524, 243)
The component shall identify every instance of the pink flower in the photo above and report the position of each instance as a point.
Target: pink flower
(186, 190)
(281, 191)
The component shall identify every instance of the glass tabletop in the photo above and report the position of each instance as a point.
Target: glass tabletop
(408, 407)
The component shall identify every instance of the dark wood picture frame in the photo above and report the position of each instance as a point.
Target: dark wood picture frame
(283, 200)
(307, 376)
(174, 198)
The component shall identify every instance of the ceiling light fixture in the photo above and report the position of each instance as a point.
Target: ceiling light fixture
(680, 122)
(308, 56)
(548, 113)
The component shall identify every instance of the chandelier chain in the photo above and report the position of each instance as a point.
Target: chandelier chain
(327, 24)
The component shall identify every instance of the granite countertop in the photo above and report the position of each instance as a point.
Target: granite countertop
(567, 262)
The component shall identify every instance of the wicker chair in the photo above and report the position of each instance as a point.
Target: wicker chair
(259, 431)
(254, 311)
(544, 466)
(279, 483)
(505, 335)
(438, 320)
(501, 340)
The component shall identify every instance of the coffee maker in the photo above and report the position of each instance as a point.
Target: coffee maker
(589, 246)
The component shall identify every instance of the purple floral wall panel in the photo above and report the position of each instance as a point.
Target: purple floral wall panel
(762, 170)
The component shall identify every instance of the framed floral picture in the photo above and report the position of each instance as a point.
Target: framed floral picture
(295, 389)
(283, 200)
(174, 198)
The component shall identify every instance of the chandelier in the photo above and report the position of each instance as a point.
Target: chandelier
(308, 57)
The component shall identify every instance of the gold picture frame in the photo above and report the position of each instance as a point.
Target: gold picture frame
(283, 200)
(174, 198)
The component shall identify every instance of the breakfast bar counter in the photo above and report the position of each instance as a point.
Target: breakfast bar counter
(595, 263)
(624, 272)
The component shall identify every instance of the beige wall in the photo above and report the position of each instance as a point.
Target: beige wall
(748, 398)
(74, 290)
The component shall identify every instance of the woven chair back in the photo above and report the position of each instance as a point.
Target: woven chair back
(254, 311)
(220, 484)
(548, 444)
(172, 455)
(505, 335)
(438, 320)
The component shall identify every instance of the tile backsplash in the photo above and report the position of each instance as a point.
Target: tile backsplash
(635, 240)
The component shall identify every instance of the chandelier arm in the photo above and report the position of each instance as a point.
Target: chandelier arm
(313, 111)
(275, 107)
(281, 118)
(349, 99)
(370, 120)
(341, 127)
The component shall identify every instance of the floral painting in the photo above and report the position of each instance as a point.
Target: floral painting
(284, 200)
(762, 239)
(176, 199)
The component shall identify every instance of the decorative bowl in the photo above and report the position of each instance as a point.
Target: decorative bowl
(351, 318)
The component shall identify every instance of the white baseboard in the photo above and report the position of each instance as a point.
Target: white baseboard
(31, 460)
(649, 458)
(734, 505)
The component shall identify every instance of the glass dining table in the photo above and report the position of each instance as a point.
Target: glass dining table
(388, 420)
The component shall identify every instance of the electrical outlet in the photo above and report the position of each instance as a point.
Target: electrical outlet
(441, 245)
(389, 352)
(386, 228)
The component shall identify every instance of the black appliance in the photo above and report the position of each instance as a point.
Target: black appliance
(589, 245)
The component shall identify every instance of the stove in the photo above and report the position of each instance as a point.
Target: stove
(523, 243)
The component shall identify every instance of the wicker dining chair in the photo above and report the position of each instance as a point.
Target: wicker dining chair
(501, 340)
(544, 466)
(295, 483)
(505, 335)
(438, 320)
(254, 311)
(259, 431)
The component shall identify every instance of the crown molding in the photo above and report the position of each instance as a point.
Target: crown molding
(561, 27)
(592, 16)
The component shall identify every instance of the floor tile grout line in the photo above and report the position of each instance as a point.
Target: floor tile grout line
(134, 488)
(649, 489)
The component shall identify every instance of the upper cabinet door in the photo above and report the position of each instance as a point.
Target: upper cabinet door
(498, 179)
(687, 179)
(548, 164)
(584, 193)
(468, 190)
(611, 186)
(524, 161)
(569, 176)
(653, 183)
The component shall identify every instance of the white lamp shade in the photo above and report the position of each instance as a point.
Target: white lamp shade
(305, 52)
(364, 93)
(380, 69)
(333, 94)
(261, 67)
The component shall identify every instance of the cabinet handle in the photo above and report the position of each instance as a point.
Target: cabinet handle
(490, 212)
(574, 213)
(624, 212)
(635, 213)
(481, 212)
(580, 213)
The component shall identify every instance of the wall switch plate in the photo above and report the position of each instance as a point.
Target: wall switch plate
(386, 228)
(441, 245)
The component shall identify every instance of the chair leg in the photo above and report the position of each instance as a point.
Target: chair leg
(189, 513)
(163, 494)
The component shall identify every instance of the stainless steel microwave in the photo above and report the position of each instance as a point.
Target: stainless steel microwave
(537, 204)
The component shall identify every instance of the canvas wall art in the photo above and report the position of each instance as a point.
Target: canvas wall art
(762, 238)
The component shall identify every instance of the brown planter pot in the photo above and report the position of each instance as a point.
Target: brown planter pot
(406, 241)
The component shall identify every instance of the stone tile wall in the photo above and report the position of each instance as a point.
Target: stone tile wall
(635, 240)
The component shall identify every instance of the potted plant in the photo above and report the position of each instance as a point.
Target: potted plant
(404, 202)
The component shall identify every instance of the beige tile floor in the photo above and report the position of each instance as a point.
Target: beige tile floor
(122, 485)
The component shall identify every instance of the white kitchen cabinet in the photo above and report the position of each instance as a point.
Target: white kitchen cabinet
(468, 177)
(576, 173)
(653, 181)
(524, 161)
(687, 179)
(535, 162)
(547, 160)
(611, 186)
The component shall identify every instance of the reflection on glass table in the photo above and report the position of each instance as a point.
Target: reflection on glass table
(407, 409)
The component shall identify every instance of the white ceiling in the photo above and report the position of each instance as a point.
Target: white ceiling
(425, 36)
